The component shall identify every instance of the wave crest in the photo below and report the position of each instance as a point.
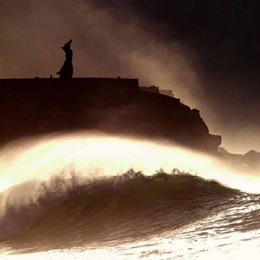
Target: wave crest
(98, 209)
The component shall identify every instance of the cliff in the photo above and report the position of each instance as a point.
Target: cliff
(112, 105)
(249, 161)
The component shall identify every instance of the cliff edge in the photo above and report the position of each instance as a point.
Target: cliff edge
(111, 105)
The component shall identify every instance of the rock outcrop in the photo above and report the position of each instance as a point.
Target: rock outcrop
(112, 105)
(249, 161)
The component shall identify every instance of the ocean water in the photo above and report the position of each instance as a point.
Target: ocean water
(89, 196)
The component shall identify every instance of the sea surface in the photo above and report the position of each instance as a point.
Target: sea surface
(88, 196)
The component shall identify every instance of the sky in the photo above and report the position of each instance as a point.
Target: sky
(205, 51)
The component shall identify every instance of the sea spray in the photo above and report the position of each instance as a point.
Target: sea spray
(75, 194)
(98, 208)
(93, 154)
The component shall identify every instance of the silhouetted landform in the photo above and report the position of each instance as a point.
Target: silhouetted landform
(111, 105)
(151, 89)
(248, 161)
(166, 92)
(66, 70)
(155, 89)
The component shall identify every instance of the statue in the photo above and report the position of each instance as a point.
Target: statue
(66, 70)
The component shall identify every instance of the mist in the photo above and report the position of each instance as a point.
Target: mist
(92, 155)
(107, 42)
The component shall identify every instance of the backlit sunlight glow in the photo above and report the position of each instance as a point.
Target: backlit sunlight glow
(98, 155)
(90, 154)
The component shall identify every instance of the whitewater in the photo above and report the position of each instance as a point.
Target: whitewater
(93, 196)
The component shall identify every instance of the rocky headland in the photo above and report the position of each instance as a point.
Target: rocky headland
(249, 161)
(114, 106)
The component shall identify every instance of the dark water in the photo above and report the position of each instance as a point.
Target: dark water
(64, 214)
(120, 214)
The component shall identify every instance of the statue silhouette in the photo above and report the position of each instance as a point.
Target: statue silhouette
(66, 70)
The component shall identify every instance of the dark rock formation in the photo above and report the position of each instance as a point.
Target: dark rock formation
(249, 161)
(115, 106)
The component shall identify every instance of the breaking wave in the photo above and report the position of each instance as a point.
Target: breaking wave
(77, 211)
(102, 204)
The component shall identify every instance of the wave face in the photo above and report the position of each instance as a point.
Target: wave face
(84, 213)
(126, 207)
